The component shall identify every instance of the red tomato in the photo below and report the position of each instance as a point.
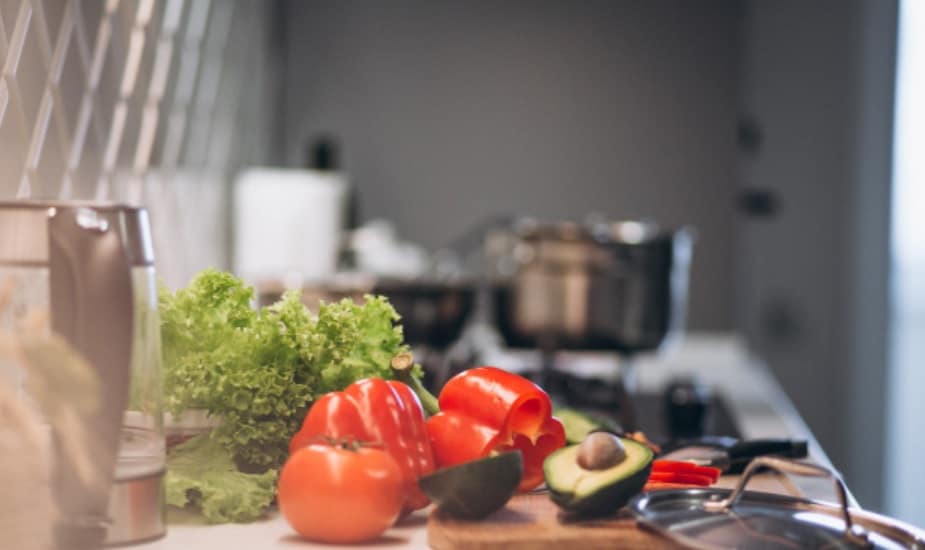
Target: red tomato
(330, 493)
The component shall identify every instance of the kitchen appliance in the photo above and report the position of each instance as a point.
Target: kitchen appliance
(287, 224)
(85, 272)
(722, 518)
(618, 286)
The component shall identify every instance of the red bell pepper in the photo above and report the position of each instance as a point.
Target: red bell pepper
(487, 410)
(378, 412)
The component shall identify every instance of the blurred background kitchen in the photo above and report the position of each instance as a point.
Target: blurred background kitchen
(320, 143)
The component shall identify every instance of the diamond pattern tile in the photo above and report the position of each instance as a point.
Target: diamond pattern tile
(154, 102)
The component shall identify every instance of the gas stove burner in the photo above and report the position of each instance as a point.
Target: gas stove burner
(656, 414)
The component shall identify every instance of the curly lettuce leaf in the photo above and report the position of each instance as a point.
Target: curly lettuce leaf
(203, 475)
(350, 341)
(203, 329)
(260, 371)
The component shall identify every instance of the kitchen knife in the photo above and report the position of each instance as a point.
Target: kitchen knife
(729, 454)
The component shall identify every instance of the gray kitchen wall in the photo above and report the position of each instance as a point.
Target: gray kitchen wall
(817, 82)
(450, 112)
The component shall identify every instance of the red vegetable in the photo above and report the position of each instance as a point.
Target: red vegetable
(681, 477)
(675, 474)
(682, 467)
(340, 493)
(377, 412)
(486, 410)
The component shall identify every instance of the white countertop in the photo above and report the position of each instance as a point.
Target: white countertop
(755, 399)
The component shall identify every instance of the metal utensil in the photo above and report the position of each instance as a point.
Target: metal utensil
(720, 518)
(730, 454)
(619, 286)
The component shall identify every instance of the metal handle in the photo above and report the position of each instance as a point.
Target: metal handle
(854, 533)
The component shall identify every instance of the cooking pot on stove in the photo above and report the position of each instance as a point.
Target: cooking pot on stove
(619, 286)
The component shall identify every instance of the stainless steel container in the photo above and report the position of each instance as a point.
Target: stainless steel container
(619, 286)
(87, 270)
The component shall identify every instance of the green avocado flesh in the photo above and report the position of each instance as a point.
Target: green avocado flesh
(474, 489)
(596, 492)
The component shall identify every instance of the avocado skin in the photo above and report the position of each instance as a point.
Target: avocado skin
(608, 497)
(606, 500)
(474, 489)
(579, 424)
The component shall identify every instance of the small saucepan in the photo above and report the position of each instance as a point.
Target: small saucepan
(618, 286)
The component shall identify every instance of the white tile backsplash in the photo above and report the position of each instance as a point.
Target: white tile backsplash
(153, 102)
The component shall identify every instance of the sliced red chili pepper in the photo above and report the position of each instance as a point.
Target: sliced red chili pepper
(681, 477)
(378, 412)
(685, 467)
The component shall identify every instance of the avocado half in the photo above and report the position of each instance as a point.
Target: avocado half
(596, 492)
(475, 489)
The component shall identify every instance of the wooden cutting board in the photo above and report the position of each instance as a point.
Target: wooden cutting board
(534, 522)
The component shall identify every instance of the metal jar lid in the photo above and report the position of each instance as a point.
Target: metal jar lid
(26, 226)
(720, 518)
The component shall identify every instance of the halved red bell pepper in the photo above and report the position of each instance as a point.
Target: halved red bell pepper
(488, 410)
(378, 412)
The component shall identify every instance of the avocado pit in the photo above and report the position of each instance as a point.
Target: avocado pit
(599, 451)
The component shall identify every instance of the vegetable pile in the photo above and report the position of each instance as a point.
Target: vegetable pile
(489, 433)
(258, 371)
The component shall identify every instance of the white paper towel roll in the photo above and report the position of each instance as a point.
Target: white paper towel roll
(287, 223)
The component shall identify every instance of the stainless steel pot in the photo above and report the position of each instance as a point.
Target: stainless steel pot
(618, 286)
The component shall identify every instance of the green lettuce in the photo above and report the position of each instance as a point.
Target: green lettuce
(260, 370)
(202, 475)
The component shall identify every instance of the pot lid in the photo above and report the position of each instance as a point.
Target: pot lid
(720, 518)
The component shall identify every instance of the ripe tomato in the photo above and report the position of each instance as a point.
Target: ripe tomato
(340, 493)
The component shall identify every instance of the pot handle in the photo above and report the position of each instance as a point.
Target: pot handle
(854, 533)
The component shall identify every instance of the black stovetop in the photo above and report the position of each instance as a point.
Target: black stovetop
(605, 398)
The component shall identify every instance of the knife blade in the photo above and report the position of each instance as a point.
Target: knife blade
(729, 454)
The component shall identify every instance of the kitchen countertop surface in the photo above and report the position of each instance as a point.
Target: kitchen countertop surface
(754, 397)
